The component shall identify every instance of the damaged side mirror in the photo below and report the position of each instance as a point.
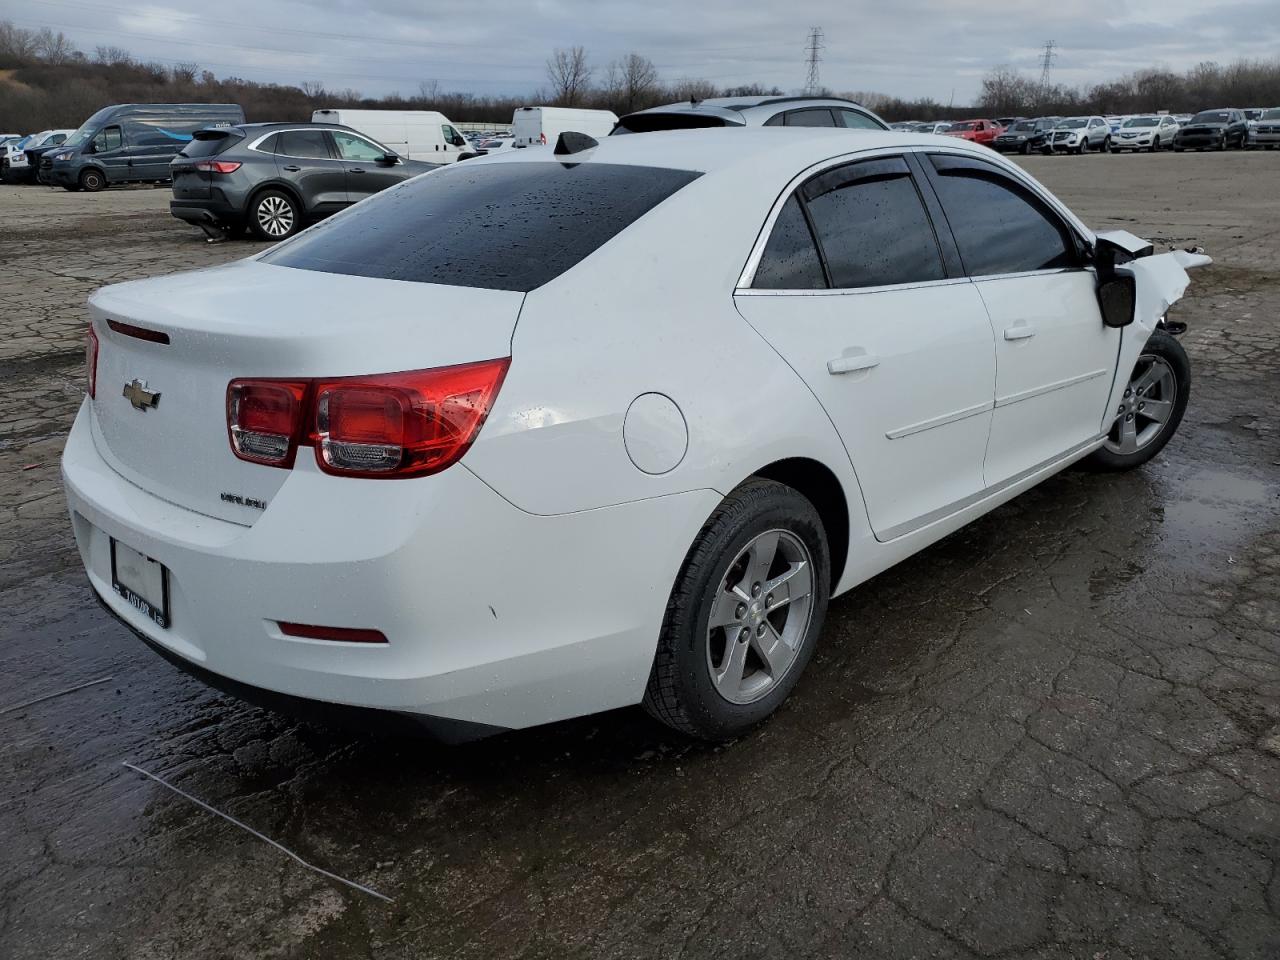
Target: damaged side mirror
(1116, 299)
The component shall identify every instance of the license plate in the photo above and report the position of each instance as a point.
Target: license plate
(141, 581)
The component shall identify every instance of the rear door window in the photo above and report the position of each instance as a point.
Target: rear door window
(1000, 226)
(306, 144)
(872, 226)
(501, 226)
(813, 117)
(854, 120)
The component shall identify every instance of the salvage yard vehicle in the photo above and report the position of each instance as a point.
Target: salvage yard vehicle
(1267, 133)
(274, 178)
(535, 126)
(425, 135)
(1026, 135)
(975, 131)
(1150, 133)
(652, 452)
(1080, 135)
(752, 112)
(1212, 130)
(130, 143)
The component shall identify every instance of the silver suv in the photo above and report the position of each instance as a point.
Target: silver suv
(1080, 135)
(752, 112)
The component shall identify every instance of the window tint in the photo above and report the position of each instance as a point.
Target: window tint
(351, 147)
(451, 136)
(108, 139)
(790, 259)
(855, 121)
(999, 227)
(211, 144)
(872, 225)
(502, 226)
(304, 143)
(816, 117)
(271, 144)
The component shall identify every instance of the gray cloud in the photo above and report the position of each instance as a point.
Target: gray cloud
(909, 47)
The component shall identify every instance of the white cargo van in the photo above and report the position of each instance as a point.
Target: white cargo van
(531, 126)
(414, 134)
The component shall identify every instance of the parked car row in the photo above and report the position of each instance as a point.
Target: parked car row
(1218, 129)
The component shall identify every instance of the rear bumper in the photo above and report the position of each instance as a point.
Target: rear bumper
(493, 616)
(216, 212)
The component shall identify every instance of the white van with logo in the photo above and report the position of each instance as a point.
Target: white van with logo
(414, 134)
(532, 126)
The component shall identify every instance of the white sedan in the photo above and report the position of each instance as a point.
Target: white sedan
(561, 431)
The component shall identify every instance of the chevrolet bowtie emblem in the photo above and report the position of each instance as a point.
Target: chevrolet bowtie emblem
(138, 394)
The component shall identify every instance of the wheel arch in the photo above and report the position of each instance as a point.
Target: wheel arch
(820, 486)
(94, 168)
(279, 186)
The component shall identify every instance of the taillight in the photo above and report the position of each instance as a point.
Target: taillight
(91, 361)
(263, 418)
(402, 424)
(391, 425)
(217, 166)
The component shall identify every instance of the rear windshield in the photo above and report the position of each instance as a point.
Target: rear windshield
(210, 143)
(501, 226)
(649, 122)
(1211, 116)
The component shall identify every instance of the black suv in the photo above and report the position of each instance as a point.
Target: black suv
(1216, 129)
(275, 177)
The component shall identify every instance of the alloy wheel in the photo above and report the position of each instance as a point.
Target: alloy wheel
(759, 616)
(1146, 406)
(275, 216)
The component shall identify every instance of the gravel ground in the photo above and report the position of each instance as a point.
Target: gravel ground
(1054, 734)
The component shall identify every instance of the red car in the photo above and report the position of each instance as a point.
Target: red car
(979, 131)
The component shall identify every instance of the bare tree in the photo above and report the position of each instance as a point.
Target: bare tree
(115, 56)
(637, 79)
(429, 90)
(55, 48)
(569, 75)
(690, 88)
(314, 89)
(16, 43)
(185, 73)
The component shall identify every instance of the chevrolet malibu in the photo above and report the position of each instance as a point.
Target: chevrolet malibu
(556, 432)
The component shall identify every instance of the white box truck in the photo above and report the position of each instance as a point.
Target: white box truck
(532, 126)
(414, 134)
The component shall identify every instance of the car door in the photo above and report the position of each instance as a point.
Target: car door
(861, 296)
(1055, 359)
(110, 152)
(367, 170)
(307, 160)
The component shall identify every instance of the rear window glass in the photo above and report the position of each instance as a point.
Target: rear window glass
(306, 144)
(501, 226)
(210, 145)
(649, 122)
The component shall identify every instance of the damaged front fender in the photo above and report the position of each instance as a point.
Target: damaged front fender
(1159, 282)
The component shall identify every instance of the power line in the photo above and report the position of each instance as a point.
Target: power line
(813, 54)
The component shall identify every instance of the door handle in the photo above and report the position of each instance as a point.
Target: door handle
(291, 168)
(355, 170)
(1019, 331)
(851, 364)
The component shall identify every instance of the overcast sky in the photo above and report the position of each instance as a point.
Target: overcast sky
(911, 48)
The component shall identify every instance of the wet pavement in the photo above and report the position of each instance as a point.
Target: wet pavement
(1055, 734)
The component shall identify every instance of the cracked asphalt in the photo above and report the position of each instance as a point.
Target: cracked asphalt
(1055, 734)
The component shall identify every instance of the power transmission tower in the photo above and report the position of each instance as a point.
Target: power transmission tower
(1046, 65)
(813, 55)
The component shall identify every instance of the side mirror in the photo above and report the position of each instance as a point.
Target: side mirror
(389, 159)
(90, 147)
(1116, 299)
(458, 141)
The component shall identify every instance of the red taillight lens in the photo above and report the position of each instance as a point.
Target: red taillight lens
(402, 424)
(91, 361)
(217, 166)
(340, 634)
(263, 418)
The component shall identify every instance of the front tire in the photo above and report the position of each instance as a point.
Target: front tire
(744, 614)
(92, 181)
(1152, 406)
(1155, 145)
(274, 215)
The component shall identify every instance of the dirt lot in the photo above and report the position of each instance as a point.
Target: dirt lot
(1055, 734)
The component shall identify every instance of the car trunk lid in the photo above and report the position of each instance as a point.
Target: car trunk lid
(250, 319)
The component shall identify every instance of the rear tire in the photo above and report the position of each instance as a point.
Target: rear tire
(732, 646)
(1152, 407)
(274, 216)
(92, 181)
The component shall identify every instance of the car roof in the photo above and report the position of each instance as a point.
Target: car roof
(739, 104)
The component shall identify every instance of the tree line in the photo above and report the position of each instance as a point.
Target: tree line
(46, 81)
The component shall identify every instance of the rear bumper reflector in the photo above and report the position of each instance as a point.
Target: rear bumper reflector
(342, 634)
